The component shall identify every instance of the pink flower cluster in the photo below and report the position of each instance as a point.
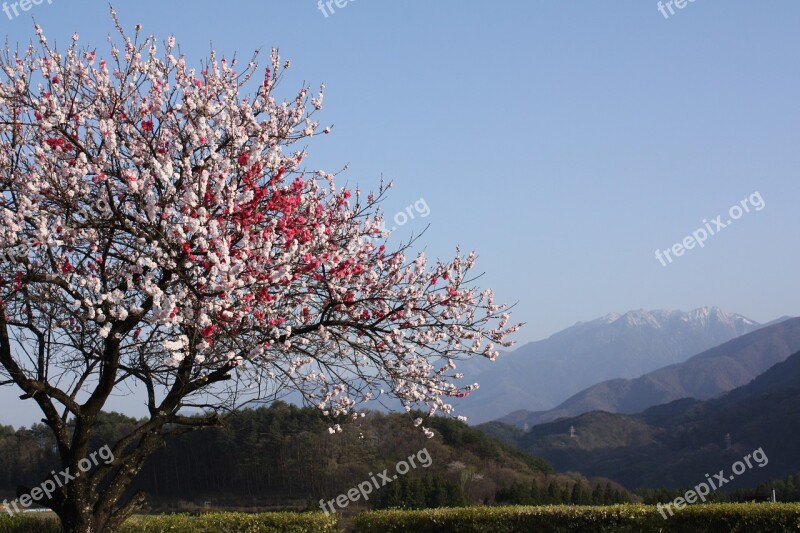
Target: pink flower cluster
(161, 211)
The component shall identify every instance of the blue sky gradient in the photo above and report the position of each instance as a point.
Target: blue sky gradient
(564, 141)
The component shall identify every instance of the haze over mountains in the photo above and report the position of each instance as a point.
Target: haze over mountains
(540, 375)
(704, 376)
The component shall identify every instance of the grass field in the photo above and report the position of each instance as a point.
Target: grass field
(711, 518)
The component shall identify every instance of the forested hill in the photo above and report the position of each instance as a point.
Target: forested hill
(285, 456)
(668, 445)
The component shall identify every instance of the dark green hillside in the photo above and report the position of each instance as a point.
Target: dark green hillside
(676, 444)
(284, 456)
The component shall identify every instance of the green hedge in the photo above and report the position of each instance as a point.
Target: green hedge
(26, 523)
(743, 518)
(733, 517)
(181, 523)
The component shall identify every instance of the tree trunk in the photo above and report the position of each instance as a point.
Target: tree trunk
(77, 513)
(84, 512)
(91, 502)
(79, 522)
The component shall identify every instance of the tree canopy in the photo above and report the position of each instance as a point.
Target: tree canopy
(161, 235)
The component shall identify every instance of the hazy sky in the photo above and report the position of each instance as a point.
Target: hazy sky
(564, 141)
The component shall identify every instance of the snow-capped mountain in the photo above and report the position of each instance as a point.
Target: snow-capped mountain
(542, 374)
(706, 375)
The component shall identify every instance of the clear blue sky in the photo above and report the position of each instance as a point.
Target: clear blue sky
(564, 141)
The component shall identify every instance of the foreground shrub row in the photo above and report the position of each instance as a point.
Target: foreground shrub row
(630, 518)
(181, 523)
(715, 518)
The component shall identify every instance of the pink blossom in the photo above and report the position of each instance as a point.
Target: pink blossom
(208, 247)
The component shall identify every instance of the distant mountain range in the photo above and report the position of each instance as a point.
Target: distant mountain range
(677, 444)
(704, 376)
(541, 375)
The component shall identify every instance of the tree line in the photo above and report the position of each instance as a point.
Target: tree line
(284, 456)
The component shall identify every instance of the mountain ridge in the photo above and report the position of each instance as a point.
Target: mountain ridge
(542, 374)
(674, 444)
(703, 376)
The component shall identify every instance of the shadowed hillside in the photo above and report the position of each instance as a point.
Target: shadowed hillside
(704, 376)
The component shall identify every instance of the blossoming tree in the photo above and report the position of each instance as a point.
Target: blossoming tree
(160, 236)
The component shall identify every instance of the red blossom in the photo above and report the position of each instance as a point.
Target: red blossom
(217, 224)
